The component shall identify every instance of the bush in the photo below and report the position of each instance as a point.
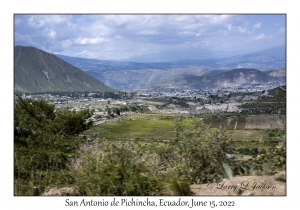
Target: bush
(118, 168)
(202, 152)
(44, 139)
(266, 163)
(47, 155)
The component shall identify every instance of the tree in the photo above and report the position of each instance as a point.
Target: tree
(202, 152)
(117, 111)
(44, 138)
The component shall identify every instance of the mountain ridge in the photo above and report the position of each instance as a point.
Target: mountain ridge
(130, 75)
(231, 78)
(38, 71)
(268, 59)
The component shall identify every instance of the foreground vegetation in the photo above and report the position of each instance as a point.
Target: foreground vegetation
(51, 151)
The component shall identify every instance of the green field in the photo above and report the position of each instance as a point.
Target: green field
(152, 127)
(139, 127)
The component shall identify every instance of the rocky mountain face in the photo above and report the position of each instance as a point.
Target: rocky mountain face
(269, 59)
(278, 73)
(134, 79)
(39, 71)
(231, 78)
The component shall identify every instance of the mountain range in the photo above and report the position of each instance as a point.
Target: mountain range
(132, 75)
(269, 59)
(231, 78)
(38, 71)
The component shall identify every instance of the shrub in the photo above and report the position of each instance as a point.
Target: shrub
(44, 140)
(202, 153)
(118, 168)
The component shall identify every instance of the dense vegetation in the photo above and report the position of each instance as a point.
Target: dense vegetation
(44, 140)
(274, 102)
(49, 151)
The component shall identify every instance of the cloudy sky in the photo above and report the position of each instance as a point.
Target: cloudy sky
(150, 37)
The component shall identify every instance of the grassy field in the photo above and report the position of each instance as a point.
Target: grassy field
(248, 135)
(139, 127)
(264, 122)
(244, 130)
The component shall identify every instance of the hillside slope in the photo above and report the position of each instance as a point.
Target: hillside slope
(39, 71)
(234, 77)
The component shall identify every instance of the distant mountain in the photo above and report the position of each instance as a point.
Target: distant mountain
(278, 73)
(130, 75)
(105, 65)
(39, 71)
(131, 79)
(269, 59)
(174, 56)
(231, 78)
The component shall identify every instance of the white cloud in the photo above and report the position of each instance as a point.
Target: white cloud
(56, 19)
(24, 39)
(276, 24)
(147, 32)
(66, 44)
(261, 36)
(185, 33)
(236, 29)
(257, 26)
(282, 30)
(87, 41)
(241, 30)
(121, 36)
(35, 22)
(229, 26)
(216, 19)
(52, 33)
(180, 18)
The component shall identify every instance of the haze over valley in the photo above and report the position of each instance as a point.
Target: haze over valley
(136, 75)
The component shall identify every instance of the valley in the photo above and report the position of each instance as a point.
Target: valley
(170, 127)
(147, 116)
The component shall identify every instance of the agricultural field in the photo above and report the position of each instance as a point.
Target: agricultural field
(264, 122)
(139, 127)
(168, 152)
(250, 135)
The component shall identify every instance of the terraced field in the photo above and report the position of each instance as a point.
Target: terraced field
(162, 127)
(264, 122)
(250, 135)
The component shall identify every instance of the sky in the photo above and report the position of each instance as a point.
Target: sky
(150, 37)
